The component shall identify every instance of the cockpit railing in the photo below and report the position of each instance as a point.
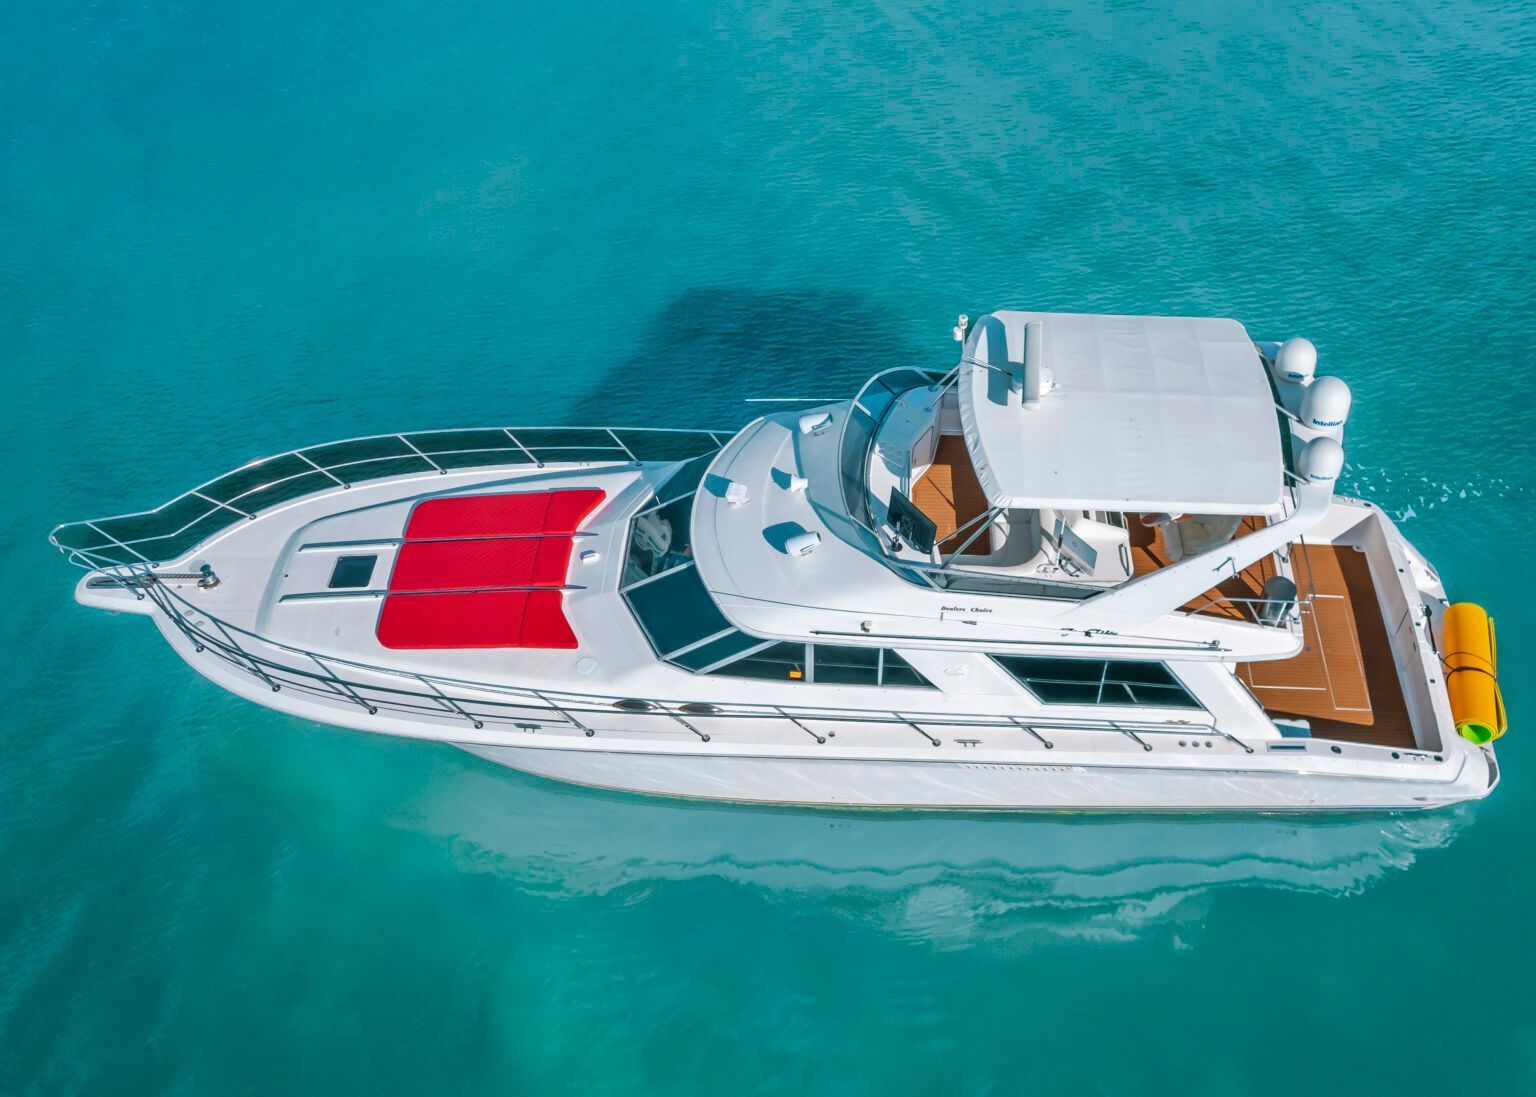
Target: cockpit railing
(142, 540)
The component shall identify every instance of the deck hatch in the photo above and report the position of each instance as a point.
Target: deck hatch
(352, 572)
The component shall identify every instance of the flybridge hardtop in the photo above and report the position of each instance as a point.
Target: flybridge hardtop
(1127, 413)
(1099, 564)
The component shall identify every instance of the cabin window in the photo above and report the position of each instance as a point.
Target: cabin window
(675, 610)
(845, 666)
(777, 662)
(352, 572)
(896, 671)
(659, 540)
(825, 664)
(1098, 681)
(717, 650)
(850, 666)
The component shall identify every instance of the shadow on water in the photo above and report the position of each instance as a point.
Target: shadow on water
(947, 879)
(711, 349)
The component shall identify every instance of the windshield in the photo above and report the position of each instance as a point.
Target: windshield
(865, 415)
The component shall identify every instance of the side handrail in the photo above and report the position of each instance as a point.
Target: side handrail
(432, 694)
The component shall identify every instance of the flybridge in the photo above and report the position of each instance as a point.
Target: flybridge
(1108, 475)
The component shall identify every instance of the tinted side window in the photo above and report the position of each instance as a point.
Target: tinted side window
(714, 651)
(896, 671)
(846, 666)
(675, 610)
(781, 662)
(1098, 681)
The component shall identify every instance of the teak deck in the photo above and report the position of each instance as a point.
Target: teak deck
(1343, 682)
(950, 493)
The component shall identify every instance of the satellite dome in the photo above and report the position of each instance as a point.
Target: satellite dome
(1296, 361)
(1326, 404)
(1322, 460)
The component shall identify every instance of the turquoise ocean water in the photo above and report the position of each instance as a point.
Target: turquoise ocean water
(231, 229)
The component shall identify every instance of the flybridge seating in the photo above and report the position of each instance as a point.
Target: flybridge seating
(1032, 467)
(485, 571)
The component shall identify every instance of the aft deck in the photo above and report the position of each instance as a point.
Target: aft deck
(1343, 683)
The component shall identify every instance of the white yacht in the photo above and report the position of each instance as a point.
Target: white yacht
(1099, 564)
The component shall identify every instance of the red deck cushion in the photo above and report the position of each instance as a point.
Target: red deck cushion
(450, 584)
(464, 565)
(511, 514)
(544, 623)
(569, 509)
(483, 619)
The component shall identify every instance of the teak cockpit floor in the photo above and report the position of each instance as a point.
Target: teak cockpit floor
(1344, 682)
(949, 492)
(1149, 552)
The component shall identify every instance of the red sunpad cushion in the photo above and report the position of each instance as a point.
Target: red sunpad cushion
(466, 565)
(481, 564)
(512, 514)
(544, 623)
(568, 509)
(477, 619)
(552, 562)
(458, 551)
(484, 619)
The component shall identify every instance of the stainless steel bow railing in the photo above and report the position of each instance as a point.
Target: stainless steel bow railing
(141, 540)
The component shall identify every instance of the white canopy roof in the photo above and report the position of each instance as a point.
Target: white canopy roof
(1146, 414)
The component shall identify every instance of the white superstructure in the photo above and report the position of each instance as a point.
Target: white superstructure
(1098, 565)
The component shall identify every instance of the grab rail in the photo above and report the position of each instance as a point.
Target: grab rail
(282, 666)
(171, 529)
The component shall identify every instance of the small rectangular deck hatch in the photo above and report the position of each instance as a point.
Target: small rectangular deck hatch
(352, 572)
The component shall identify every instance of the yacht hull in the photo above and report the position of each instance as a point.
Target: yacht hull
(261, 608)
(981, 786)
